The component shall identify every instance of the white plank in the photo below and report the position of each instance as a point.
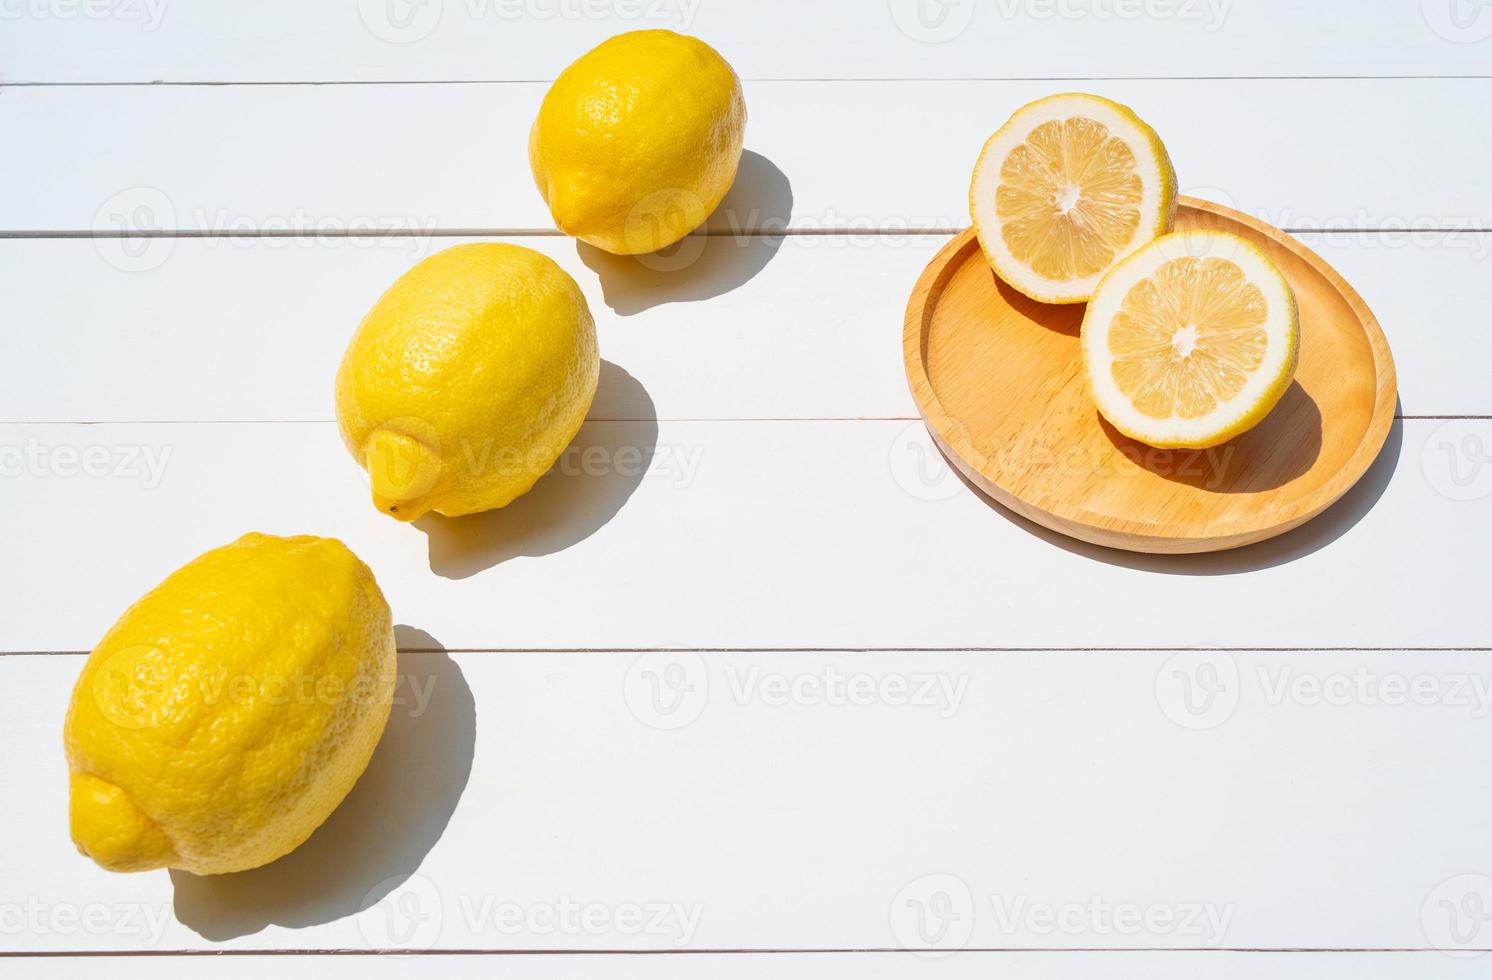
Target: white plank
(253, 329)
(281, 40)
(789, 966)
(740, 534)
(1287, 814)
(880, 155)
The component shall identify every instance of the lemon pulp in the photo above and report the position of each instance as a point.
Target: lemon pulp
(1069, 198)
(1188, 337)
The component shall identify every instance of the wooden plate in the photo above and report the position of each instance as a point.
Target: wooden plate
(999, 379)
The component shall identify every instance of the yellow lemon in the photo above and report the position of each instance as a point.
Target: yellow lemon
(229, 710)
(1068, 186)
(638, 141)
(467, 380)
(1191, 340)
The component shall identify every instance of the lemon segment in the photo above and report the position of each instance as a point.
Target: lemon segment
(229, 711)
(638, 140)
(1068, 186)
(1191, 340)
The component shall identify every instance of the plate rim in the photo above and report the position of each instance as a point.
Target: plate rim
(1139, 535)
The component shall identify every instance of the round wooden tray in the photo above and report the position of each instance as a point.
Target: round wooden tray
(999, 379)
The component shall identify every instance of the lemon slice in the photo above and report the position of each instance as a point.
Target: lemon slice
(1067, 187)
(1191, 340)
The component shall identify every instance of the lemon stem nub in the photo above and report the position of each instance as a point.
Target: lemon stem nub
(108, 827)
(402, 470)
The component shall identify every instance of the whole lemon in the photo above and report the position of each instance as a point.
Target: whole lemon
(228, 711)
(467, 380)
(638, 141)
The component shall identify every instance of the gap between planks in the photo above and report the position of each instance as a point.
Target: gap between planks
(929, 231)
(755, 80)
(886, 950)
(833, 650)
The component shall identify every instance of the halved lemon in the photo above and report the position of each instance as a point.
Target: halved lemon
(1068, 186)
(1191, 340)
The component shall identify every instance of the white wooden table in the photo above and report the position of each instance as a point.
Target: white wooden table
(754, 678)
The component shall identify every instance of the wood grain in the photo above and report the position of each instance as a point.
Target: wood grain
(999, 379)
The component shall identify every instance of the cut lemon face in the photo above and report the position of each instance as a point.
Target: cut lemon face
(1068, 186)
(1191, 340)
